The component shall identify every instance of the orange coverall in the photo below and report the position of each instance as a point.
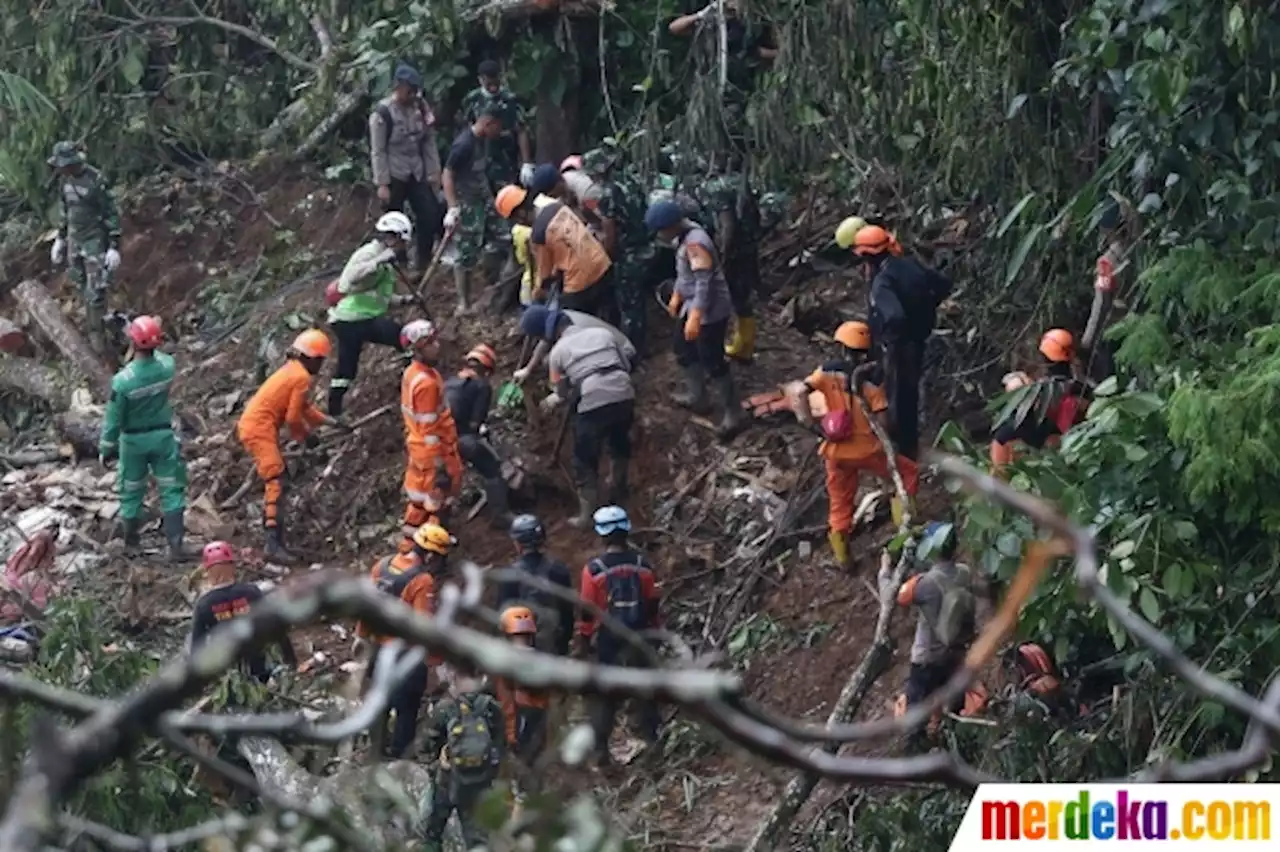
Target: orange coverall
(419, 593)
(431, 437)
(281, 399)
(861, 451)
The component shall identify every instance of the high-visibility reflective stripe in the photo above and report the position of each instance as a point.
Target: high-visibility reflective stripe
(417, 496)
(134, 485)
(340, 383)
(149, 390)
(166, 480)
(429, 417)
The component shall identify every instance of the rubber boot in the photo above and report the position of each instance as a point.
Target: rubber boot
(132, 534)
(175, 533)
(274, 550)
(743, 344)
(495, 491)
(733, 419)
(839, 547)
(586, 507)
(619, 485)
(96, 336)
(896, 511)
(462, 284)
(694, 397)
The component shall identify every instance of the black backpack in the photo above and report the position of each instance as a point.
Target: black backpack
(470, 745)
(394, 584)
(919, 289)
(625, 594)
(546, 609)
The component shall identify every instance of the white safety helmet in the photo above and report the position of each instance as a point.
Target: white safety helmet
(395, 223)
(416, 332)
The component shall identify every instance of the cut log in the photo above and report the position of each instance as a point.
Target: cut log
(12, 337)
(47, 314)
(35, 379)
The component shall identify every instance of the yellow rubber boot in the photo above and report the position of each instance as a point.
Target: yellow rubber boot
(839, 547)
(743, 344)
(896, 511)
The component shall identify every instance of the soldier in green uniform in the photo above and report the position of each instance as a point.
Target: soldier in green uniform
(468, 732)
(139, 429)
(471, 218)
(510, 153)
(730, 200)
(620, 204)
(89, 236)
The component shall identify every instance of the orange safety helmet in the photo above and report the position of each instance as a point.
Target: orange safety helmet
(854, 335)
(312, 343)
(483, 353)
(1057, 345)
(509, 198)
(874, 240)
(518, 621)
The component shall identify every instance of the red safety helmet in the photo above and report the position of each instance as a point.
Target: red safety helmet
(217, 553)
(145, 334)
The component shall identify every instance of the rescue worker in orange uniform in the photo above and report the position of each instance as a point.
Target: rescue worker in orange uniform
(849, 445)
(1066, 404)
(1003, 452)
(470, 396)
(412, 577)
(525, 710)
(433, 473)
(283, 401)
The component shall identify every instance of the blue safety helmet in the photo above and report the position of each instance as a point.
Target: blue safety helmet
(611, 519)
(533, 322)
(544, 178)
(408, 75)
(938, 541)
(527, 530)
(661, 215)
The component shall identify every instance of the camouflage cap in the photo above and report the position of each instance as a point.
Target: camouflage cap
(65, 154)
(598, 161)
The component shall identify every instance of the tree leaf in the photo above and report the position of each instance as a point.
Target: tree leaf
(132, 68)
(1020, 254)
(1173, 581)
(1012, 215)
(1009, 544)
(1015, 106)
(1149, 605)
(1124, 549)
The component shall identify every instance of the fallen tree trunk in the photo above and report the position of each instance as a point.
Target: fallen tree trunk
(47, 314)
(35, 379)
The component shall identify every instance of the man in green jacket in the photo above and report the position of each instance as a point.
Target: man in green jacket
(89, 236)
(139, 429)
(366, 290)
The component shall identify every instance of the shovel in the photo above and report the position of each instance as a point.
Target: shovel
(417, 291)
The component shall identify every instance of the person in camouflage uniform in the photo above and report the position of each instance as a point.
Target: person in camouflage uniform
(730, 200)
(476, 228)
(470, 721)
(620, 206)
(89, 235)
(510, 153)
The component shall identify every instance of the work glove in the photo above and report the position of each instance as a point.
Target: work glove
(403, 299)
(520, 375)
(111, 260)
(451, 217)
(58, 252)
(673, 304)
(483, 430)
(707, 11)
(311, 441)
(526, 173)
(550, 404)
(387, 255)
(443, 481)
(693, 325)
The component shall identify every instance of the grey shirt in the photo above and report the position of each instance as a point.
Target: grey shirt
(926, 648)
(704, 289)
(410, 153)
(596, 364)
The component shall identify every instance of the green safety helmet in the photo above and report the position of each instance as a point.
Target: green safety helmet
(65, 154)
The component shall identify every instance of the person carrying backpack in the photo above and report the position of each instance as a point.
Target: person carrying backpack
(622, 583)
(414, 578)
(902, 307)
(525, 710)
(553, 615)
(943, 597)
(849, 445)
(466, 732)
(1060, 402)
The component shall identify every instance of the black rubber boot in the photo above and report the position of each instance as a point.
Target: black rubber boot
(587, 497)
(132, 534)
(274, 549)
(495, 491)
(175, 533)
(694, 397)
(734, 418)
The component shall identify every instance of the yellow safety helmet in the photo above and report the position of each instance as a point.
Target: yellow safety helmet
(848, 229)
(434, 538)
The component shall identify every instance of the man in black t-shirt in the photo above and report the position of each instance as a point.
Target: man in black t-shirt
(471, 219)
(226, 599)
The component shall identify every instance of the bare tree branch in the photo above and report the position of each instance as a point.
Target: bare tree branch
(74, 827)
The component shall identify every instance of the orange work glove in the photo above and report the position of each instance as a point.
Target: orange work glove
(693, 324)
(673, 304)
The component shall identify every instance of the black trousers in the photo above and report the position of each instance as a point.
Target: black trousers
(428, 218)
(406, 701)
(924, 679)
(597, 300)
(604, 711)
(477, 453)
(904, 397)
(707, 348)
(352, 336)
(592, 430)
(742, 272)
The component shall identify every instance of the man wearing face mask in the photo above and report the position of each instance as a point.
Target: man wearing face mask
(510, 153)
(405, 159)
